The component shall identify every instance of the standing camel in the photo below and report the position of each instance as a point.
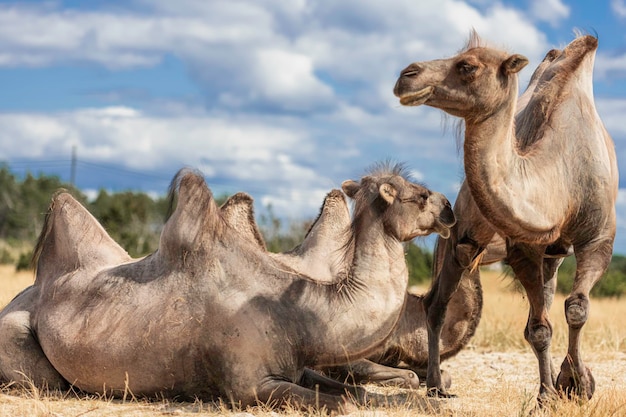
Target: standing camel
(106, 323)
(542, 175)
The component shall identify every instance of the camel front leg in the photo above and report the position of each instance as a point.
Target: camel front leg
(528, 265)
(366, 371)
(316, 381)
(453, 258)
(575, 379)
(319, 393)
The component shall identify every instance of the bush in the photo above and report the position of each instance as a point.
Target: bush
(420, 264)
(23, 263)
(6, 257)
(612, 284)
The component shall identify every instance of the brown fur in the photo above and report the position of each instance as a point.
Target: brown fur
(531, 179)
(209, 315)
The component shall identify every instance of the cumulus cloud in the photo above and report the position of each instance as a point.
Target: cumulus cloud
(619, 8)
(609, 65)
(550, 11)
(296, 95)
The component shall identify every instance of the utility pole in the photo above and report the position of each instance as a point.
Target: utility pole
(73, 167)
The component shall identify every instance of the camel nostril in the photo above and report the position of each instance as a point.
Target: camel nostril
(411, 71)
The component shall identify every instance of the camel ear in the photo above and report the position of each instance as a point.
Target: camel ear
(514, 64)
(388, 192)
(350, 187)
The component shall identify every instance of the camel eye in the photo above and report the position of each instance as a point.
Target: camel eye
(465, 68)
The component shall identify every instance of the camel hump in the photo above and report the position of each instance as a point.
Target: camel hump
(238, 213)
(72, 238)
(333, 216)
(335, 201)
(194, 221)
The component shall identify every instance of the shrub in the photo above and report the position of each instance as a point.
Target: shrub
(612, 284)
(23, 262)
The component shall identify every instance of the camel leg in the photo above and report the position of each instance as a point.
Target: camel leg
(280, 393)
(314, 380)
(528, 267)
(550, 273)
(446, 379)
(366, 371)
(21, 358)
(456, 256)
(575, 379)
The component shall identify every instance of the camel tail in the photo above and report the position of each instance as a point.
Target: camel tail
(72, 238)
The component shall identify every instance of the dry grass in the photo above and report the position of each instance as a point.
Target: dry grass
(495, 376)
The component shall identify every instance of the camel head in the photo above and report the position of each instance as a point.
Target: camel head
(472, 84)
(407, 209)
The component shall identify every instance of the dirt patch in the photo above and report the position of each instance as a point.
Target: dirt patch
(507, 383)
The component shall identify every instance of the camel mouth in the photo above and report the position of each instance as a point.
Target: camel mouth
(442, 229)
(439, 228)
(417, 98)
(444, 232)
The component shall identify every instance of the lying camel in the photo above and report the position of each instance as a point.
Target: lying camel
(106, 323)
(402, 359)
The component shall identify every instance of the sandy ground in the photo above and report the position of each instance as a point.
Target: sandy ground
(485, 381)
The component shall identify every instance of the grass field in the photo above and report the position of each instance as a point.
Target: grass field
(496, 375)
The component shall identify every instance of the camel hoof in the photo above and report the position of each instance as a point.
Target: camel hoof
(411, 381)
(573, 385)
(435, 392)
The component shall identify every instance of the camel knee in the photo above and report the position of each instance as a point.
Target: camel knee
(576, 310)
(539, 336)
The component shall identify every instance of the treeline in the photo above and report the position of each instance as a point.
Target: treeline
(133, 219)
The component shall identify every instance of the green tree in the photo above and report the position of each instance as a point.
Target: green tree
(419, 262)
(279, 238)
(134, 220)
(612, 284)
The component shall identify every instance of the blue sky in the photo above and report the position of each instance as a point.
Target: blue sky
(281, 99)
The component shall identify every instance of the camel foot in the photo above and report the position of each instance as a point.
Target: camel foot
(575, 384)
(544, 399)
(435, 392)
(410, 381)
(446, 379)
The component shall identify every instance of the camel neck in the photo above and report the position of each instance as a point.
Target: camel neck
(359, 312)
(508, 186)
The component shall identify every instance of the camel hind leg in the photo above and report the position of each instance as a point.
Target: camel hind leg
(21, 358)
(575, 379)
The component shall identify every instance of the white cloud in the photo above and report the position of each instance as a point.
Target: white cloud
(619, 8)
(287, 79)
(551, 11)
(298, 94)
(607, 65)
